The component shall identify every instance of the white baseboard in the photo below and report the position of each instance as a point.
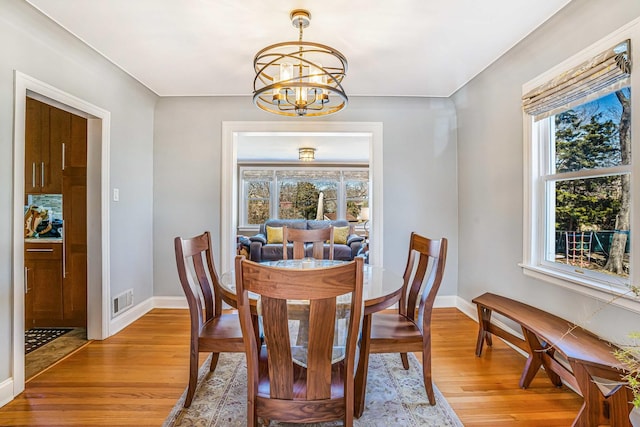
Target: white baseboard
(128, 317)
(6, 391)
(170, 302)
(445, 301)
(467, 307)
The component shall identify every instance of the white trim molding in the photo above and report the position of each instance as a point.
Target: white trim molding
(6, 391)
(229, 176)
(98, 267)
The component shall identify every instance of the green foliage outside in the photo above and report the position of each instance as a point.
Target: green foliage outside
(586, 144)
(306, 200)
(592, 137)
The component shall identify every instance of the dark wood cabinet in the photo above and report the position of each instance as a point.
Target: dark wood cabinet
(43, 284)
(56, 163)
(74, 212)
(47, 129)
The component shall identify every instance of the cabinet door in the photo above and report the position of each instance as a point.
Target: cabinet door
(28, 298)
(36, 136)
(52, 154)
(74, 192)
(75, 259)
(44, 282)
(47, 130)
(75, 151)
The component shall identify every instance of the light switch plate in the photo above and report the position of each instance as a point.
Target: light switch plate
(116, 194)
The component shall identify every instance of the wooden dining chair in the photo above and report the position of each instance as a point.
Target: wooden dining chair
(408, 330)
(211, 330)
(300, 237)
(280, 386)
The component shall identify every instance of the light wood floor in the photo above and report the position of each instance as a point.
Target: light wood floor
(135, 377)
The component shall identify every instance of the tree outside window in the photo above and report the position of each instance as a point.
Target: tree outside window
(588, 185)
(302, 193)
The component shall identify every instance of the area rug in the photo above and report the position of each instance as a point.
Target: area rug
(35, 338)
(395, 397)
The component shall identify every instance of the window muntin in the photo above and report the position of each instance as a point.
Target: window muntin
(586, 223)
(295, 193)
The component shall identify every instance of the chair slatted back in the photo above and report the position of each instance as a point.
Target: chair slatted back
(431, 257)
(300, 238)
(194, 259)
(277, 287)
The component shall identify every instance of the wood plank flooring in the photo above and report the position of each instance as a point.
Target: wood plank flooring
(135, 377)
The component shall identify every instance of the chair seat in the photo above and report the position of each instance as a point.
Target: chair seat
(223, 332)
(392, 332)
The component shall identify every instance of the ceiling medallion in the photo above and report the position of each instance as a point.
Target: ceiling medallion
(299, 78)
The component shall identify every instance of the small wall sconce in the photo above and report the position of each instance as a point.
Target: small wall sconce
(307, 154)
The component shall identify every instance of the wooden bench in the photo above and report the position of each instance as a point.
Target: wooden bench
(590, 359)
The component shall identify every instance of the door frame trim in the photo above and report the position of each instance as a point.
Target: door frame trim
(98, 262)
(229, 175)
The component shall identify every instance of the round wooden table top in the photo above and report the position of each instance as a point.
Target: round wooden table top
(381, 288)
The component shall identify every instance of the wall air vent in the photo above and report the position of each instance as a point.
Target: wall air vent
(122, 302)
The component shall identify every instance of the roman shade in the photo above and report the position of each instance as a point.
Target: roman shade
(604, 73)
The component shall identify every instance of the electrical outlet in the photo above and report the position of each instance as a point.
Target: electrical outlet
(116, 194)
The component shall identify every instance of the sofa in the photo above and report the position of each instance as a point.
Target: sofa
(262, 248)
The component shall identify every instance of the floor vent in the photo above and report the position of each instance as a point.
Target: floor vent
(123, 302)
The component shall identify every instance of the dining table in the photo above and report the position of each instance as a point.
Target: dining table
(382, 288)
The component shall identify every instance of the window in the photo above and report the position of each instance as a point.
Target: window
(302, 193)
(257, 187)
(579, 187)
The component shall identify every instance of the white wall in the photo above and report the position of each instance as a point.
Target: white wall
(490, 164)
(32, 44)
(419, 173)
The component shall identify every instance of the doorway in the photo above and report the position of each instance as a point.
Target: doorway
(97, 205)
(231, 132)
(55, 221)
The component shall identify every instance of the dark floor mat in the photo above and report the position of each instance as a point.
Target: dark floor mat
(37, 337)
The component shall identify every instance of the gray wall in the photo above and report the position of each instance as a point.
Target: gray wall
(419, 172)
(32, 44)
(490, 153)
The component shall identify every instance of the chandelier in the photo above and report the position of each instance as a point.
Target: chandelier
(299, 78)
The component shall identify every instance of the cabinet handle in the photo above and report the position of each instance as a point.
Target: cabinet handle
(63, 156)
(26, 280)
(42, 174)
(33, 175)
(40, 250)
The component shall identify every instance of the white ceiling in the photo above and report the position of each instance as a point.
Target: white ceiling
(206, 47)
(283, 147)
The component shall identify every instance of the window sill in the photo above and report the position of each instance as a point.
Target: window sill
(591, 288)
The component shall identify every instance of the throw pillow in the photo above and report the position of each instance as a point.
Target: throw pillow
(274, 234)
(340, 235)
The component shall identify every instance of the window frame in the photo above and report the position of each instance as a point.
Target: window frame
(536, 159)
(275, 189)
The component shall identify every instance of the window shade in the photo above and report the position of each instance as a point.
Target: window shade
(606, 72)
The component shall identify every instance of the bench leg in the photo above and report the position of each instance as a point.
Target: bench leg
(484, 320)
(536, 360)
(597, 409)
